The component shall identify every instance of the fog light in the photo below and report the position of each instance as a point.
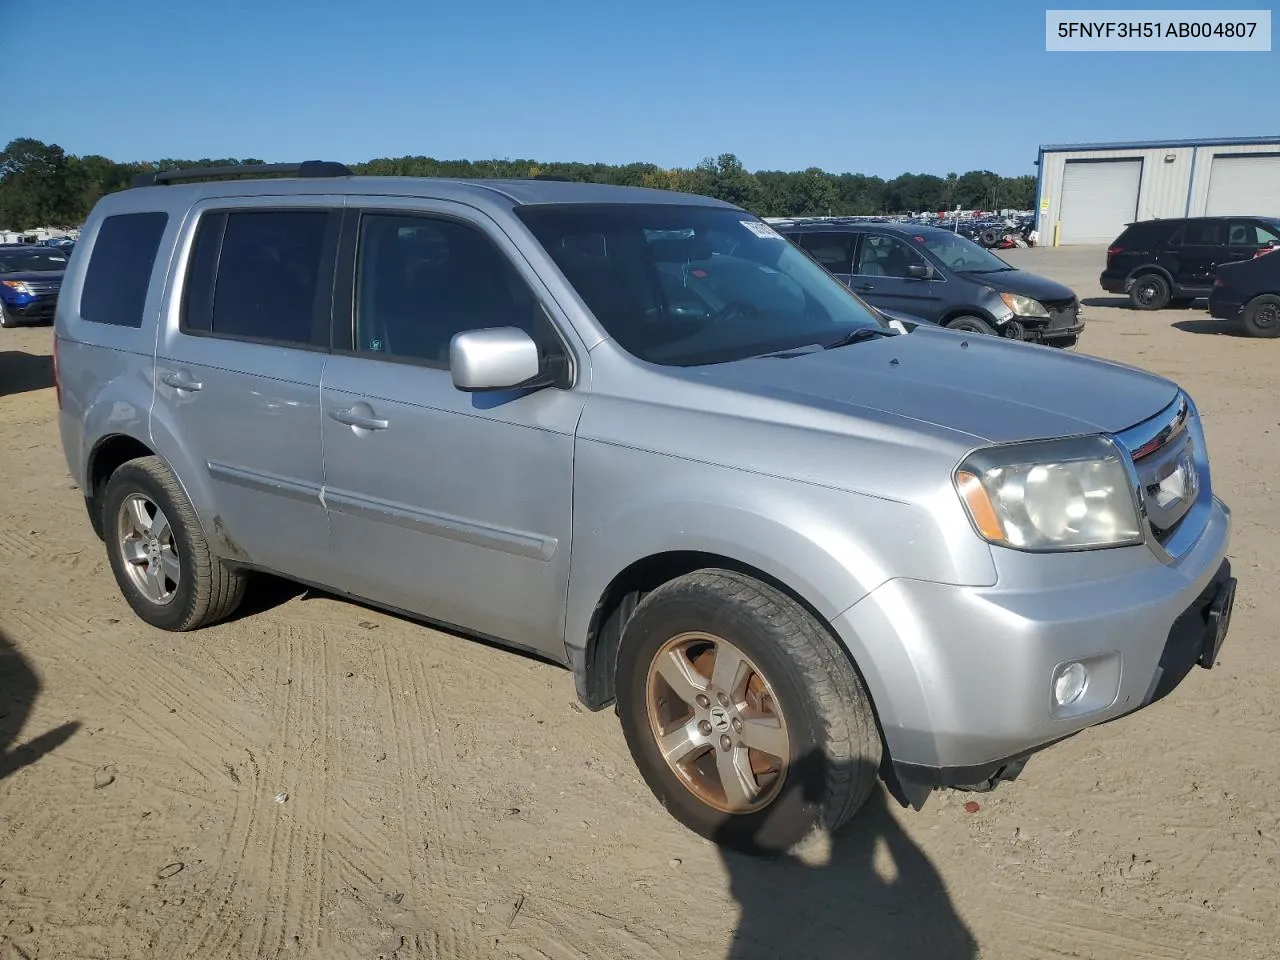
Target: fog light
(1069, 682)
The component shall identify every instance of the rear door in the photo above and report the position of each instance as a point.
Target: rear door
(454, 506)
(883, 275)
(1200, 246)
(831, 249)
(238, 374)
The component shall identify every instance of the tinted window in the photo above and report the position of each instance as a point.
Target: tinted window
(833, 250)
(883, 256)
(421, 280)
(260, 274)
(1204, 233)
(1150, 233)
(688, 285)
(115, 284)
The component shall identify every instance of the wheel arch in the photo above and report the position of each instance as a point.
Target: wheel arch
(955, 313)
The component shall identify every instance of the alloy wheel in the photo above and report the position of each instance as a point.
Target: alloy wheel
(148, 549)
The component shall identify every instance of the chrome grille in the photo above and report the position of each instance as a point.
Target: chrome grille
(1165, 458)
(43, 288)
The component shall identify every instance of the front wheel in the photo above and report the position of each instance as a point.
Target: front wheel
(744, 715)
(1261, 316)
(5, 320)
(972, 325)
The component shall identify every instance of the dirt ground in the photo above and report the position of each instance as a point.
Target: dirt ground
(316, 779)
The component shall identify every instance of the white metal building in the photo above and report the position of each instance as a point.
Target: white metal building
(1087, 192)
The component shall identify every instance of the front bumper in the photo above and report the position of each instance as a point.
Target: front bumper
(35, 310)
(967, 686)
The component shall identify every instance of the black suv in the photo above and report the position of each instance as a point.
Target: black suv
(940, 277)
(1169, 263)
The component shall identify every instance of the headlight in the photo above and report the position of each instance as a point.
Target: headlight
(17, 286)
(1050, 495)
(1024, 306)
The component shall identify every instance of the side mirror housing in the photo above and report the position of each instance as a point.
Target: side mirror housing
(501, 358)
(921, 271)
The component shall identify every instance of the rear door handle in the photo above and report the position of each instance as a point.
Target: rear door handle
(181, 381)
(865, 286)
(353, 419)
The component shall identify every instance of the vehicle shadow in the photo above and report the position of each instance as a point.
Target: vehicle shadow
(877, 896)
(21, 372)
(1208, 326)
(19, 687)
(1120, 302)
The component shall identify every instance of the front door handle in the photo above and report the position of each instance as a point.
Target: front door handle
(181, 380)
(353, 419)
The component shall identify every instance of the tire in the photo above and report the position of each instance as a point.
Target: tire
(203, 590)
(1149, 292)
(969, 324)
(1261, 316)
(6, 321)
(797, 684)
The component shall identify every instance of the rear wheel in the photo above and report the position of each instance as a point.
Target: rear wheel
(158, 552)
(743, 714)
(1149, 292)
(1261, 316)
(972, 325)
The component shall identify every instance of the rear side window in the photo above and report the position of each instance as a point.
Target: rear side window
(1205, 233)
(833, 250)
(261, 275)
(115, 284)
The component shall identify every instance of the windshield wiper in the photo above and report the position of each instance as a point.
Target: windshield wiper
(857, 336)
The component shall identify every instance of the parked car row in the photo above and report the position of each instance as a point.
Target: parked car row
(1172, 263)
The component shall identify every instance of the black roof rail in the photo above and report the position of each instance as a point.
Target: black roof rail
(308, 168)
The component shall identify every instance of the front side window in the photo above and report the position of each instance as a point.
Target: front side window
(688, 285)
(420, 280)
(120, 265)
(1250, 234)
(960, 253)
(881, 255)
(259, 275)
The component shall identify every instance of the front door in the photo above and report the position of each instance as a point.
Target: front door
(1245, 237)
(453, 506)
(238, 376)
(882, 274)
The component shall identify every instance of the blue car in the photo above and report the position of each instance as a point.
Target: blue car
(30, 278)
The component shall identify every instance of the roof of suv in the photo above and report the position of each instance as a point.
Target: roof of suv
(517, 192)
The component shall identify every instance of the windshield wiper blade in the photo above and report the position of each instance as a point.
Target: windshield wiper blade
(857, 336)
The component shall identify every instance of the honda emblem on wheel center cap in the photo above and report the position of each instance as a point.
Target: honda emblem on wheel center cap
(719, 719)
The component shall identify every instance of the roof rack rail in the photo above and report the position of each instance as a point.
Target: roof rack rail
(308, 168)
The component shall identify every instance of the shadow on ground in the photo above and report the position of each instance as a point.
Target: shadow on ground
(1218, 327)
(858, 905)
(1118, 302)
(21, 372)
(19, 687)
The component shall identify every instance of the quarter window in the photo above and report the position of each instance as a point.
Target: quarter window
(120, 265)
(420, 280)
(261, 275)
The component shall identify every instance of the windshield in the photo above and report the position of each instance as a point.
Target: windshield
(961, 254)
(24, 261)
(689, 285)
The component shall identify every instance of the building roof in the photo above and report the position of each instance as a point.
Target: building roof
(1158, 144)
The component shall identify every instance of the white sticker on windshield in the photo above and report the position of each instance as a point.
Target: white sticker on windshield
(761, 229)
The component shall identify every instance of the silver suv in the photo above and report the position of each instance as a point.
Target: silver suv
(798, 545)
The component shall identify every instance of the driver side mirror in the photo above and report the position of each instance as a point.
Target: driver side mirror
(503, 358)
(920, 271)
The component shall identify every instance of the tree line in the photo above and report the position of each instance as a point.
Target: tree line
(43, 185)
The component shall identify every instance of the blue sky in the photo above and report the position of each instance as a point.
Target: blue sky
(873, 86)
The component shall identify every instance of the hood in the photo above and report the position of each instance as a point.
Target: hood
(32, 275)
(994, 390)
(1023, 283)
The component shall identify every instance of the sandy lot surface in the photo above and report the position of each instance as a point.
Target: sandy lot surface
(442, 798)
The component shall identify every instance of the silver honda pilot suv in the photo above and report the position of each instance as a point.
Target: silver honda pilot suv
(798, 545)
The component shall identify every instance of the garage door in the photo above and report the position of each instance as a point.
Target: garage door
(1098, 199)
(1244, 185)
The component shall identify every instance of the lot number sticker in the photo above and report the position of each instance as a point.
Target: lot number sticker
(761, 230)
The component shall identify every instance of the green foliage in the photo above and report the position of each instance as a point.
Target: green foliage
(42, 185)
